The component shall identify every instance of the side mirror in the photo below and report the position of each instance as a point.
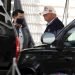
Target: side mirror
(48, 38)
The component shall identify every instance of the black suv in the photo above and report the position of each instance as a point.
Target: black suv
(9, 44)
(55, 57)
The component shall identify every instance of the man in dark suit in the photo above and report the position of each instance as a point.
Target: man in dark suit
(18, 21)
(54, 25)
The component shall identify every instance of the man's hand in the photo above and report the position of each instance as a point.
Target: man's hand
(18, 25)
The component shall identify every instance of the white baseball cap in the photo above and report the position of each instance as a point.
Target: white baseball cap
(48, 9)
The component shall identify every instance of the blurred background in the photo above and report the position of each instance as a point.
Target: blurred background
(65, 10)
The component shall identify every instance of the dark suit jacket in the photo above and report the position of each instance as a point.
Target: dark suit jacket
(27, 43)
(54, 26)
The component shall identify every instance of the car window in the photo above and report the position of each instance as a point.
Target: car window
(1, 9)
(69, 38)
(6, 27)
(72, 37)
(4, 17)
(2, 12)
(7, 37)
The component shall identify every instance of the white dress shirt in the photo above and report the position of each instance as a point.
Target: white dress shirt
(21, 39)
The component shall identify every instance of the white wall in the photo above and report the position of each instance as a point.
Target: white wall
(36, 22)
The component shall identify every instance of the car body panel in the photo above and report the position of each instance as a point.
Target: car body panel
(56, 57)
(7, 41)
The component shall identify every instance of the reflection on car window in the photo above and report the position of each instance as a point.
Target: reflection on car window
(4, 17)
(72, 30)
(72, 37)
(69, 38)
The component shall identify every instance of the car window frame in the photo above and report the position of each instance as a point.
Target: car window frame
(59, 41)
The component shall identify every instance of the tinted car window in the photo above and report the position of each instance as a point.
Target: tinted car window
(2, 18)
(1, 9)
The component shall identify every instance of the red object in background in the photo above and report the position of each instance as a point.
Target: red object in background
(17, 47)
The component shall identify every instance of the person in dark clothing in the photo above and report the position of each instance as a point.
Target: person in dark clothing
(18, 21)
(54, 25)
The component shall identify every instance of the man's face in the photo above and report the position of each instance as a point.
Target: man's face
(48, 17)
(20, 15)
(19, 18)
